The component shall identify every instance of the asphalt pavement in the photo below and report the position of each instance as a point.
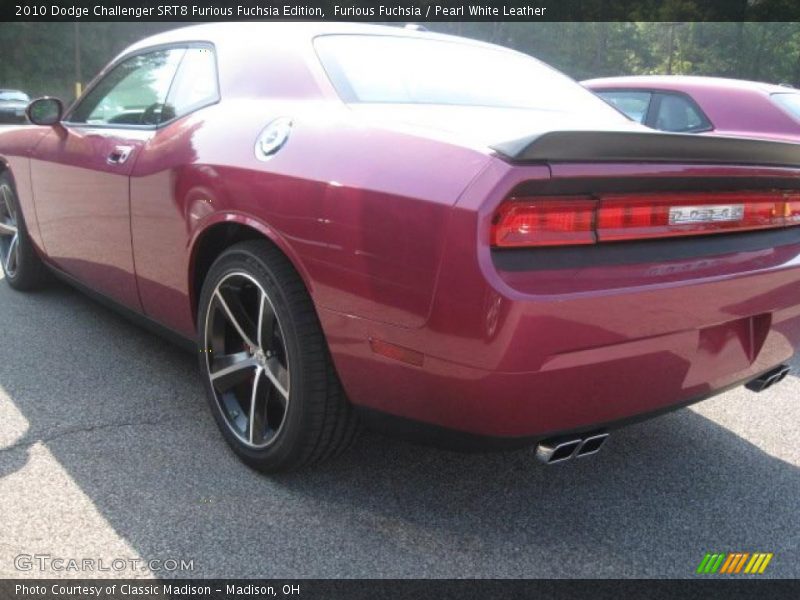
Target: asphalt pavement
(108, 453)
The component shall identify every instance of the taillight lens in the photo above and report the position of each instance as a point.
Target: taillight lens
(793, 212)
(624, 218)
(545, 222)
(570, 220)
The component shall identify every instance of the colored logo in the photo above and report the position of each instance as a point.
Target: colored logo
(735, 562)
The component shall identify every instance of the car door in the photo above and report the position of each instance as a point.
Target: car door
(80, 173)
(170, 183)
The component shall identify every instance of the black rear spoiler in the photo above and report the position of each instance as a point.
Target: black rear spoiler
(635, 146)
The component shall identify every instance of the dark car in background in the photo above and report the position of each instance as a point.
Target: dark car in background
(728, 107)
(12, 106)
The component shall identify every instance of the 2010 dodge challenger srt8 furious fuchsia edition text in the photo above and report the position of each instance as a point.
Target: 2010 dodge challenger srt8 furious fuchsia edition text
(364, 224)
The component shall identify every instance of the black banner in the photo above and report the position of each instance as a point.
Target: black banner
(357, 589)
(400, 10)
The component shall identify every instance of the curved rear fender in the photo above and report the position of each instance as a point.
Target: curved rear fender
(246, 227)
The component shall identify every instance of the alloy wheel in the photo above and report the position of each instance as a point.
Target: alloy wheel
(9, 233)
(247, 360)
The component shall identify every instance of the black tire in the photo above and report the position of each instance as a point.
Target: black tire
(23, 268)
(294, 376)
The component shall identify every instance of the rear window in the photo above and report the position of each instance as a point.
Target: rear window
(633, 104)
(678, 114)
(406, 70)
(789, 102)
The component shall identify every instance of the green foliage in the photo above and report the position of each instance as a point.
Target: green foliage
(760, 51)
(41, 58)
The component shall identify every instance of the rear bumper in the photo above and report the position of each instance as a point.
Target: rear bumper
(602, 387)
(462, 441)
(506, 361)
(568, 342)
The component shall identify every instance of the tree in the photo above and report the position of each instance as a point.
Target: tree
(40, 58)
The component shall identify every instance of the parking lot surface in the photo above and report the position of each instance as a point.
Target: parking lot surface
(107, 451)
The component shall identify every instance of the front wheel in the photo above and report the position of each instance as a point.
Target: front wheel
(269, 377)
(22, 266)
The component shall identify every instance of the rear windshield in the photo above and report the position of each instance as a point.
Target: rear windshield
(406, 70)
(633, 104)
(14, 96)
(790, 102)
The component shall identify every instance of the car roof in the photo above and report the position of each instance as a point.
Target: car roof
(287, 33)
(686, 82)
(734, 106)
(276, 59)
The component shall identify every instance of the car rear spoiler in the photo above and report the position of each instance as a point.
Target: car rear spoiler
(636, 146)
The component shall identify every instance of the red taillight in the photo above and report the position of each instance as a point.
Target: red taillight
(545, 222)
(793, 212)
(623, 217)
(567, 220)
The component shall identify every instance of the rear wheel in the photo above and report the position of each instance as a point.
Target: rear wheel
(269, 377)
(22, 267)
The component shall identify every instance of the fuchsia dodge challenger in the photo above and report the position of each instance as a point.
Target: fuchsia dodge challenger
(688, 104)
(361, 224)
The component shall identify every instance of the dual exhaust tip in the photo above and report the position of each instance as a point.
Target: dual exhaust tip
(768, 379)
(561, 449)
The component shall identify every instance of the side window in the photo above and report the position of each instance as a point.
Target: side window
(789, 101)
(633, 104)
(195, 84)
(132, 93)
(677, 113)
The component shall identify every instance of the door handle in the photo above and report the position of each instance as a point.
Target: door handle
(119, 155)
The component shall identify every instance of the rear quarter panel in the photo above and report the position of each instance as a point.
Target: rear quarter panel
(359, 209)
(546, 350)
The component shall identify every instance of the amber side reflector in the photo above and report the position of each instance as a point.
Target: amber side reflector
(393, 351)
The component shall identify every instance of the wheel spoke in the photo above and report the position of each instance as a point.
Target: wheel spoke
(236, 316)
(233, 410)
(5, 192)
(248, 363)
(12, 209)
(8, 219)
(266, 323)
(278, 376)
(256, 415)
(231, 369)
(279, 398)
(11, 258)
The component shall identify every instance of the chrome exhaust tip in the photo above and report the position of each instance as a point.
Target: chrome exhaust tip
(557, 450)
(561, 449)
(592, 445)
(768, 379)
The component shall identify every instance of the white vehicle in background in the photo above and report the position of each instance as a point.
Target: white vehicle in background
(12, 106)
